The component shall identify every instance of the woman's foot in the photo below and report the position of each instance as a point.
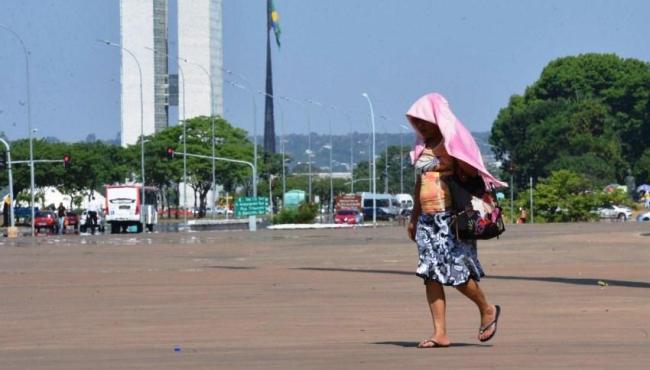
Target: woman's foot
(489, 319)
(435, 341)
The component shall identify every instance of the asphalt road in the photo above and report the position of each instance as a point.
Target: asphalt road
(573, 296)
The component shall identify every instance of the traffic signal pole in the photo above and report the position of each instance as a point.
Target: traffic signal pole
(12, 220)
(31, 163)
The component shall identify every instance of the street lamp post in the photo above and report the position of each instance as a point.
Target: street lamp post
(386, 159)
(284, 179)
(331, 165)
(401, 159)
(352, 162)
(374, 178)
(249, 89)
(282, 140)
(29, 121)
(401, 163)
(214, 182)
(309, 145)
(110, 43)
(386, 169)
(184, 120)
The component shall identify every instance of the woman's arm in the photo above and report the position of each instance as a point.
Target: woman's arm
(417, 210)
(465, 171)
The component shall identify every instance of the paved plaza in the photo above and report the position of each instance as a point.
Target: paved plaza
(573, 296)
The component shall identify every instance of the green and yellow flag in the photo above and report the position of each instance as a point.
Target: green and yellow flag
(274, 21)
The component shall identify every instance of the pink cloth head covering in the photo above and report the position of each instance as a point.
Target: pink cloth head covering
(459, 142)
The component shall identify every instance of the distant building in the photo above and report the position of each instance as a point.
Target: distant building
(200, 43)
(144, 31)
(139, 21)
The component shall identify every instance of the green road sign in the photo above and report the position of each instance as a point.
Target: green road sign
(248, 206)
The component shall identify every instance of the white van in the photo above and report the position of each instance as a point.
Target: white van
(387, 206)
(405, 201)
(125, 209)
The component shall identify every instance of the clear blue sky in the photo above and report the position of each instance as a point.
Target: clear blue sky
(477, 53)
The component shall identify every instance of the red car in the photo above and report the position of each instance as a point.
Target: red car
(72, 219)
(46, 220)
(348, 216)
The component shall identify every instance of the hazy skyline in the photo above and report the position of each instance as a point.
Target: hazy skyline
(476, 53)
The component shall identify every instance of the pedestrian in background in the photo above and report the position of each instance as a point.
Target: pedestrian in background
(61, 214)
(6, 211)
(523, 215)
(91, 220)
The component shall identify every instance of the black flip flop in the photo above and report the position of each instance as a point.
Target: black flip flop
(486, 327)
(435, 344)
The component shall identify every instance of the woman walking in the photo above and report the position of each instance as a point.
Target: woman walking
(445, 147)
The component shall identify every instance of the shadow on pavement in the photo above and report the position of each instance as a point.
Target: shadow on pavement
(231, 267)
(547, 279)
(415, 344)
(577, 281)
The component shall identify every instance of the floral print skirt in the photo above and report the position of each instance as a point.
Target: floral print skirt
(443, 258)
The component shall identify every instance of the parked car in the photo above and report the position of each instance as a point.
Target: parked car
(615, 212)
(46, 220)
(222, 211)
(643, 217)
(348, 216)
(72, 220)
(382, 214)
(84, 222)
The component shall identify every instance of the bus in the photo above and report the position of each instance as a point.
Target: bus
(125, 210)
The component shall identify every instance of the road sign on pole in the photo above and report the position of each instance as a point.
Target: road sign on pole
(248, 206)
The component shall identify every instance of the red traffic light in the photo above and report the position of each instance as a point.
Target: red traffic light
(170, 152)
(66, 160)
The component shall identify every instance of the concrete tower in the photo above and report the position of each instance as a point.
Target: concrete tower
(199, 42)
(143, 28)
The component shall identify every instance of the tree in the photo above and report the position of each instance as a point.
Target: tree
(642, 169)
(585, 113)
(567, 196)
(232, 144)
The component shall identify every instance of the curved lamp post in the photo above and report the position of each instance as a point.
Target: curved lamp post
(29, 122)
(110, 43)
(214, 182)
(374, 177)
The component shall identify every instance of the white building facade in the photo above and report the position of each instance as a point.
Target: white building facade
(200, 43)
(143, 31)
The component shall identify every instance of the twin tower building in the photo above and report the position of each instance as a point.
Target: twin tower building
(197, 50)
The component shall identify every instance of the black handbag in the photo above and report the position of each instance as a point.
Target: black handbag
(476, 212)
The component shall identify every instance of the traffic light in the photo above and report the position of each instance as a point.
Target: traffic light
(3, 159)
(170, 152)
(66, 161)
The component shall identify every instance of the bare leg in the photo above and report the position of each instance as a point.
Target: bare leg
(473, 291)
(437, 305)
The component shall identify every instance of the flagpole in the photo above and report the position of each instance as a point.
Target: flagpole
(269, 124)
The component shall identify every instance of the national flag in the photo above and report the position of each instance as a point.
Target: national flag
(274, 21)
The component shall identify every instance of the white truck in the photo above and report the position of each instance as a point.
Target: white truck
(125, 210)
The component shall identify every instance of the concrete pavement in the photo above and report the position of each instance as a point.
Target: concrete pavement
(573, 296)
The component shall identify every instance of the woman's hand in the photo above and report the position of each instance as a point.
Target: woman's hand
(411, 228)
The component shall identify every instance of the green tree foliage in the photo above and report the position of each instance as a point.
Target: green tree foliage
(231, 143)
(587, 113)
(304, 214)
(92, 166)
(399, 169)
(642, 169)
(95, 164)
(567, 196)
